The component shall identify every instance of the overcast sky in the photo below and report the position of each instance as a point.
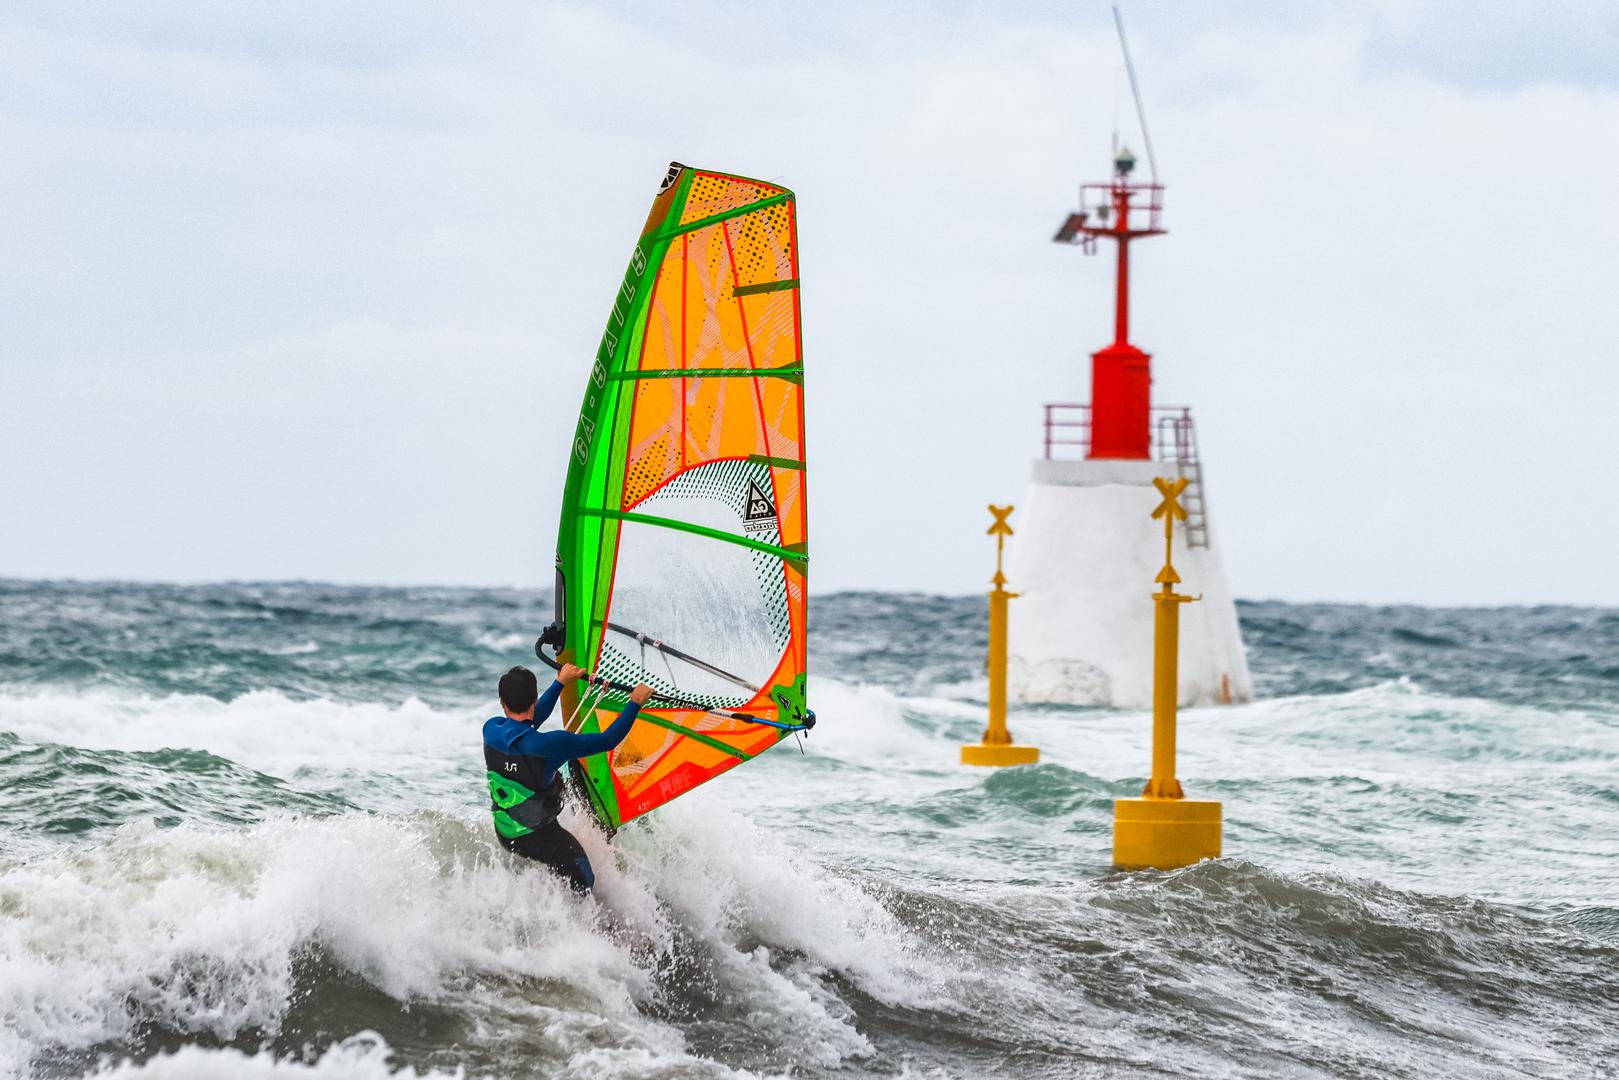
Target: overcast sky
(310, 290)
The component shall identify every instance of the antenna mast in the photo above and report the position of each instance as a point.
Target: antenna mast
(1135, 92)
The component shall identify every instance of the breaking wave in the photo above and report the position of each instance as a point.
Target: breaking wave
(302, 931)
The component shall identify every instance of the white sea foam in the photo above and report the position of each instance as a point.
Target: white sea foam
(608, 1063)
(732, 881)
(304, 649)
(269, 731)
(1376, 731)
(200, 931)
(367, 1056)
(1388, 726)
(865, 723)
(504, 643)
(364, 1056)
(264, 730)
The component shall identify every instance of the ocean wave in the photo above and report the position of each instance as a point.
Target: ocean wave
(227, 640)
(1233, 969)
(263, 729)
(302, 649)
(1417, 637)
(50, 792)
(1547, 657)
(295, 932)
(1599, 921)
(1394, 723)
(1401, 717)
(505, 643)
(866, 726)
(1043, 791)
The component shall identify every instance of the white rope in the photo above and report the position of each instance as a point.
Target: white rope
(591, 699)
(669, 669)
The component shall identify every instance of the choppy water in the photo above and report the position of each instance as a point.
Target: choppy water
(243, 832)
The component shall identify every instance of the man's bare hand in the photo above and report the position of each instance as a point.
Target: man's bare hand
(569, 674)
(641, 694)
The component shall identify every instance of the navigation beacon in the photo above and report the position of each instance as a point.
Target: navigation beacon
(1082, 631)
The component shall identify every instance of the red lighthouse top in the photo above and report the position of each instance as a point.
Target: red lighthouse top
(1121, 377)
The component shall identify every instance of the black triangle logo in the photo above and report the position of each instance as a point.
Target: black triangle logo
(759, 508)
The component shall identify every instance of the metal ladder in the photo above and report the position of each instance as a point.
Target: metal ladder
(1197, 515)
(1177, 444)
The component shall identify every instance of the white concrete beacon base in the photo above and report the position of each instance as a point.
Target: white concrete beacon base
(1083, 562)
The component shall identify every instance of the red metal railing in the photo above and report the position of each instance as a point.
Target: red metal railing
(1124, 203)
(1067, 425)
(1173, 441)
(1172, 436)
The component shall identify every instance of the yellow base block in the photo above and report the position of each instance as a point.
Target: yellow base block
(1164, 834)
(999, 754)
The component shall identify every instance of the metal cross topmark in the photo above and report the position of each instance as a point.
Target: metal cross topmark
(1170, 511)
(1000, 530)
(1170, 490)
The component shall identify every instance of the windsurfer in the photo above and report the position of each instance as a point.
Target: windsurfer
(525, 769)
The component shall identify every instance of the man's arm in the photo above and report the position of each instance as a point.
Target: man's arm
(548, 700)
(578, 746)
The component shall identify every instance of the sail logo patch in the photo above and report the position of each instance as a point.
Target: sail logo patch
(761, 513)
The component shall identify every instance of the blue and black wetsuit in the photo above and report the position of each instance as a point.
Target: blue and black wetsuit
(525, 784)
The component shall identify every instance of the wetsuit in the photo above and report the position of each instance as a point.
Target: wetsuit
(525, 784)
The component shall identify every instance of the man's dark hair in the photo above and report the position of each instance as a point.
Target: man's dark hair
(519, 689)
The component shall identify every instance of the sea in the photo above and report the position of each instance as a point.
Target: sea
(244, 832)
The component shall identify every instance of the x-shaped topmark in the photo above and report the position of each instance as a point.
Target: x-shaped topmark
(1170, 490)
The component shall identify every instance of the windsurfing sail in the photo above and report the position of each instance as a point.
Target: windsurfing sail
(682, 551)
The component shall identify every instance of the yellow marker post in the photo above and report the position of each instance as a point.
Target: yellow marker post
(997, 747)
(1163, 829)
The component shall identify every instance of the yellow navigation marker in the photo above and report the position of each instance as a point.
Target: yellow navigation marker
(1163, 829)
(998, 747)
